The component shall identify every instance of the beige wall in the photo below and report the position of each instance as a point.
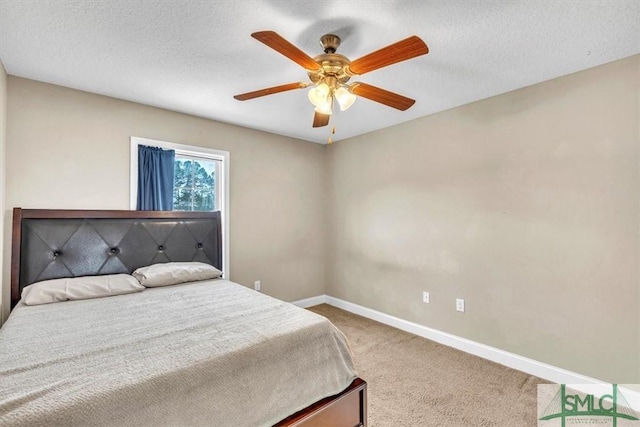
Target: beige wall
(526, 205)
(3, 139)
(70, 149)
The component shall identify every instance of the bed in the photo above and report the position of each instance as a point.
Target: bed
(207, 352)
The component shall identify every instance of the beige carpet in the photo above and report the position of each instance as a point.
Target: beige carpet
(416, 382)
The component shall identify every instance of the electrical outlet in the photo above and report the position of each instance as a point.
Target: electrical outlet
(425, 297)
(256, 285)
(460, 304)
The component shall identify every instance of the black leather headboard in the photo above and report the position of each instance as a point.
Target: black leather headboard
(51, 244)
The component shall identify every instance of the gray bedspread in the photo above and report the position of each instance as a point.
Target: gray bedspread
(210, 353)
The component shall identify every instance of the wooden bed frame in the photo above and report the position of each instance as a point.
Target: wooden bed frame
(133, 239)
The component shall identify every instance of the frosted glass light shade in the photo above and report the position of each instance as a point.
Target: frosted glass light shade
(345, 98)
(319, 94)
(325, 108)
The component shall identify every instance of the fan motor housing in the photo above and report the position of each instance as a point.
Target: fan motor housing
(332, 64)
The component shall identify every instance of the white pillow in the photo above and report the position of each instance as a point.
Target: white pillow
(75, 288)
(172, 273)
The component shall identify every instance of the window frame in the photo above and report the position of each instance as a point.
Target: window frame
(189, 150)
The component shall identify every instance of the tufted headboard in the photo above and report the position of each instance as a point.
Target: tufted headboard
(51, 244)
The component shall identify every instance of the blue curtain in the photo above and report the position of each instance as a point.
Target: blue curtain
(155, 178)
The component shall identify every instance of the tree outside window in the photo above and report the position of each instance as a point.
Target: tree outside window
(195, 184)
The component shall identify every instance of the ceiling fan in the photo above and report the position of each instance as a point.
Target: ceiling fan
(329, 73)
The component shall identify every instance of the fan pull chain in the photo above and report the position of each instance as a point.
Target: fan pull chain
(333, 132)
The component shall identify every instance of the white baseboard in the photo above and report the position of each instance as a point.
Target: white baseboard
(310, 302)
(632, 396)
(511, 360)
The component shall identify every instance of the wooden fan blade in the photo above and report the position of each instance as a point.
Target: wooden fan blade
(401, 51)
(382, 96)
(279, 44)
(270, 91)
(320, 119)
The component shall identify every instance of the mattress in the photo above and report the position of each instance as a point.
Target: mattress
(203, 353)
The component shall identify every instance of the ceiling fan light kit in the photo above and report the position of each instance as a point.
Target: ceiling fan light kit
(329, 73)
(322, 95)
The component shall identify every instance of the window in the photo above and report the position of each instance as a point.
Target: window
(195, 183)
(201, 182)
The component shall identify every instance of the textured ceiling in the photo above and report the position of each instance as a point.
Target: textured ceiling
(193, 56)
